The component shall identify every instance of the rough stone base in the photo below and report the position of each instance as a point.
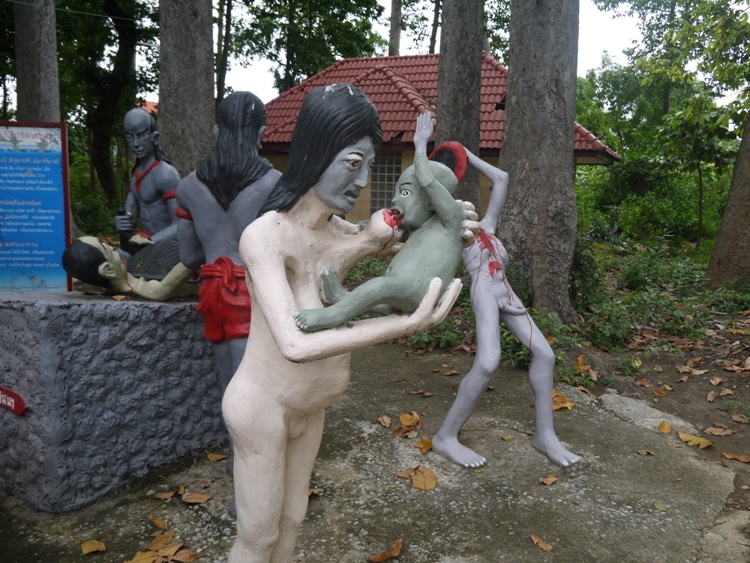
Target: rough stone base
(112, 389)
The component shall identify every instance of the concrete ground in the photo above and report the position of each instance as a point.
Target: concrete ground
(665, 503)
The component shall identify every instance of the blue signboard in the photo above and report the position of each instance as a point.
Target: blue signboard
(34, 221)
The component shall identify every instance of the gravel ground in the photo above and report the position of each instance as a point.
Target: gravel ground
(614, 505)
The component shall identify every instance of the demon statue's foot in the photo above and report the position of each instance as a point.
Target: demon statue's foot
(454, 451)
(312, 320)
(549, 444)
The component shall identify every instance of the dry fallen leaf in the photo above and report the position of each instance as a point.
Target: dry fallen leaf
(409, 419)
(643, 383)
(697, 441)
(664, 427)
(165, 495)
(560, 401)
(719, 429)
(184, 556)
(741, 418)
(424, 478)
(540, 543)
(161, 541)
(384, 421)
(313, 492)
(424, 445)
(406, 473)
(169, 551)
(407, 432)
(143, 557)
(422, 392)
(92, 546)
(742, 458)
(550, 479)
(659, 393)
(725, 392)
(196, 498)
(157, 522)
(506, 438)
(386, 555)
(715, 380)
(644, 452)
(215, 457)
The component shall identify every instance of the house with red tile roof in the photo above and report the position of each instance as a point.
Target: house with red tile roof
(151, 107)
(400, 88)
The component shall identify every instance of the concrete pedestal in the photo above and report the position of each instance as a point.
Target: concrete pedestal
(112, 389)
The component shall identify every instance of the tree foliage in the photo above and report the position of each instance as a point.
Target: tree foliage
(694, 52)
(422, 20)
(302, 38)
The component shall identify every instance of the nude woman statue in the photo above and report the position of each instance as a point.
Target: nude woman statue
(493, 301)
(275, 404)
(423, 205)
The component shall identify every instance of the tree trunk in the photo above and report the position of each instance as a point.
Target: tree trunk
(103, 121)
(459, 83)
(38, 85)
(730, 258)
(539, 221)
(186, 81)
(435, 25)
(394, 41)
(225, 39)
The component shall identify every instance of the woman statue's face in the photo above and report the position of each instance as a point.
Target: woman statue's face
(341, 183)
(112, 265)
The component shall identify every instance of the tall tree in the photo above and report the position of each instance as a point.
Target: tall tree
(421, 21)
(38, 88)
(302, 38)
(713, 38)
(186, 85)
(539, 221)
(104, 117)
(460, 82)
(394, 41)
(729, 261)
(224, 25)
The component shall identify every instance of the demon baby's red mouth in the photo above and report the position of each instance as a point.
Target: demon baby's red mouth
(392, 218)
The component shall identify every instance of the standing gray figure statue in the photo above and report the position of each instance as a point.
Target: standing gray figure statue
(216, 202)
(151, 195)
(275, 404)
(493, 300)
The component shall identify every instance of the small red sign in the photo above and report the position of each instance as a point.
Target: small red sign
(12, 401)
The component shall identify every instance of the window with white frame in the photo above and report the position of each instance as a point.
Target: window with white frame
(386, 169)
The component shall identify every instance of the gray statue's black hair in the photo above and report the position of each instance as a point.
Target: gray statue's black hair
(234, 163)
(331, 118)
(81, 261)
